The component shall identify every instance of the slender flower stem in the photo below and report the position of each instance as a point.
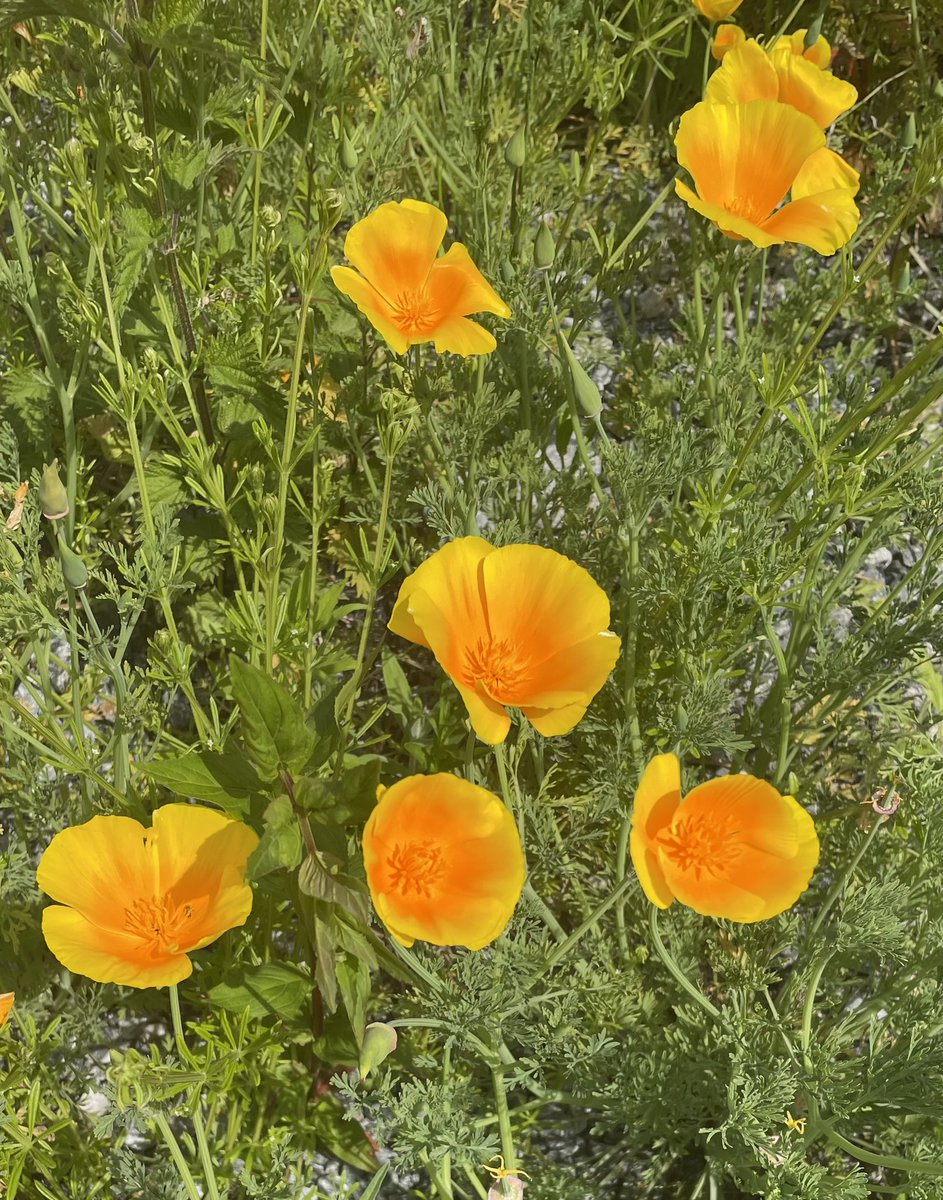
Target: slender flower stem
(504, 1119)
(842, 881)
(666, 957)
(177, 1155)
(196, 1098)
(808, 1010)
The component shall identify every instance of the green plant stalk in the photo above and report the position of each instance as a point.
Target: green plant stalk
(808, 1011)
(668, 959)
(259, 134)
(177, 1155)
(196, 1097)
(842, 881)
(504, 1119)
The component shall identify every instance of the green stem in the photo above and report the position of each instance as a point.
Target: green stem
(196, 1097)
(841, 882)
(665, 955)
(504, 1119)
(177, 1155)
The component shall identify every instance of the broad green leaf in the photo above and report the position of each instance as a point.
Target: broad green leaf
(325, 881)
(270, 990)
(227, 779)
(280, 845)
(273, 724)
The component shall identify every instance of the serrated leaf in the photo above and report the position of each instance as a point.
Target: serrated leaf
(270, 990)
(272, 723)
(227, 779)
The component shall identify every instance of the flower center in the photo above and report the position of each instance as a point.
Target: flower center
(700, 844)
(746, 207)
(158, 922)
(496, 666)
(415, 314)
(416, 867)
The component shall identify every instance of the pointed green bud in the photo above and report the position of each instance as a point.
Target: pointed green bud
(379, 1041)
(349, 156)
(813, 33)
(507, 271)
(544, 249)
(471, 523)
(515, 152)
(74, 571)
(909, 137)
(53, 498)
(587, 393)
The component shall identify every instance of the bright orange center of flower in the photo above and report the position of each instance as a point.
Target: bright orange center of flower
(700, 844)
(416, 867)
(746, 207)
(496, 666)
(415, 313)
(160, 923)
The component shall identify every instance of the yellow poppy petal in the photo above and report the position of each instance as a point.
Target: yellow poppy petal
(657, 796)
(746, 74)
(745, 157)
(826, 222)
(380, 315)
(92, 866)
(395, 246)
(649, 872)
(6, 1005)
(488, 717)
(106, 955)
(458, 335)
(541, 601)
(818, 94)
(574, 674)
(718, 10)
(555, 722)
(825, 171)
(451, 577)
(819, 53)
(725, 39)
(199, 850)
(459, 288)
(732, 225)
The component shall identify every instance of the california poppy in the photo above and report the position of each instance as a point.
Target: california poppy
(444, 861)
(819, 53)
(6, 1005)
(748, 72)
(133, 902)
(522, 626)
(726, 39)
(745, 158)
(732, 847)
(407, 293)
(718, 10)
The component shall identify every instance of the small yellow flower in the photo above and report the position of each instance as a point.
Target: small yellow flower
(6, 1005)
(819, 53)
(133, 902)
(408, 294)
(717, 10)
(796, 1124)
(727, 37)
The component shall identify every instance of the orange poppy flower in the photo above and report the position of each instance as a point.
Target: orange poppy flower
(726, 38)
(521, 626)
(749, 73)
(444, 861)
(133, 902)
(6, 1006)
(733, 847)
(407, 293)
(717, 10)
(744, 158)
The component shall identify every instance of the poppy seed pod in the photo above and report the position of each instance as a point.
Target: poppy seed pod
(53, 498)
(544, 249)
(515, 152)
(74, 571)
(587, 393)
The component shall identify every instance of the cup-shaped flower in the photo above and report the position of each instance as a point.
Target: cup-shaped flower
(133, 902)
(444, 861)
(520, 626)
(733, 847)
(749, 73)
(745, 158)
(406, 292)
(717, 10)
(6, 1006)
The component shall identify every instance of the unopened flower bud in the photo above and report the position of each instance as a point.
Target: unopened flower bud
(544, 249)
(349, 156)
(379, 1041)
(515, 152)
(587, 393)
(74, 571)
(726, 38)
(813, 33)
(471, 523)
(909, 137)
(53, 498)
